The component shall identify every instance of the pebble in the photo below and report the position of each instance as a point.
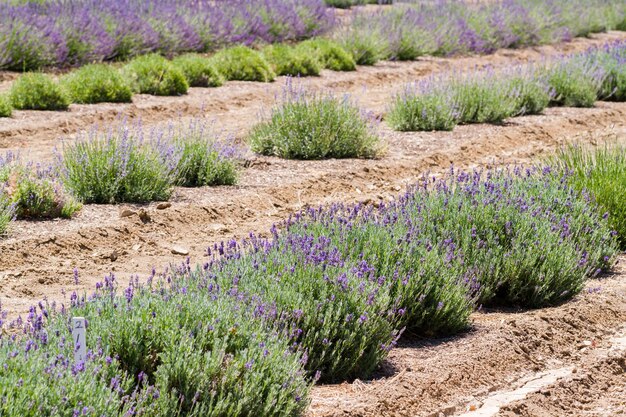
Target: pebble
(179, 250)
(127, 213)
(163, 206)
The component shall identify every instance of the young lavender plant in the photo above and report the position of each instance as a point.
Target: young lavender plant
(429, 104)
(114, 167)
(308, 125)
(35, 191)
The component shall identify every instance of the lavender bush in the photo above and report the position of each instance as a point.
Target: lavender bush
(34, 91)
(6, 110)
(61, 33)
(329, 53)
(198, 71)
(114, 167)
(307, 125)
(97, 83)
(243, 64)
(197, 156)
(287, 60)
(35, 191)
(153, 351)
(576, 82)
(153, 74)
(429, 104)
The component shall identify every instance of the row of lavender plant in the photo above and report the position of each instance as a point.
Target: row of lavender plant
(441, 102)
(325, 297)
(448, 27)
(62, 33)
(124, 164)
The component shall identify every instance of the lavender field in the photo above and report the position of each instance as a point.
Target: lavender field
(306, 225)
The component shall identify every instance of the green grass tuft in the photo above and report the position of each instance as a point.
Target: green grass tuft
(34, 91)
(97, 83)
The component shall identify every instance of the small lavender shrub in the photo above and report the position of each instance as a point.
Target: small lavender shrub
(426, 105)
(612, 59)
(199, 158)
(6, 110)
(483, 97)
(329, 53)
(287, 60)
(366, 47)
(36, 193)
(198, 70)
(601, 172)
(97, 83)
(307, 125)
(114, 168)
(532, 94)
(7, 210)
(35, 91)
(243, 64)
(576, 82)
(153, 74)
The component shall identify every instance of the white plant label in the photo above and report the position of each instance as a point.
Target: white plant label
(79, 337)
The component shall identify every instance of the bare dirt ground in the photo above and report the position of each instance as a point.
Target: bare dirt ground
(566, 360)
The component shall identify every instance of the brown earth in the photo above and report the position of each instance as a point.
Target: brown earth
(421, 377)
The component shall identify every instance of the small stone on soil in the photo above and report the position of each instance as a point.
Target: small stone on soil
(127, 213)
(163, 206)
(179, 250)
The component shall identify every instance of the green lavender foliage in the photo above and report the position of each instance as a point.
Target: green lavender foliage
(41, 378)
(329, 53)
(243, 64)
(307, 125)
(153, 74)
(113, 168)
(34, 91)
(35, 192)
(6, 109)
(200, 158)
(601, 172)
(198, 70)
(97, 83)
(203, 351)
(287, 60)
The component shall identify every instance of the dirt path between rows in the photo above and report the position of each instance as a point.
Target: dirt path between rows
(236, 106)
